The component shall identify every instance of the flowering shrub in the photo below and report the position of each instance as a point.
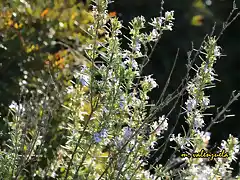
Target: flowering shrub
(107, 126)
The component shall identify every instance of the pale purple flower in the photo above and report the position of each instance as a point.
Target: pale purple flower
(105, 110)
(191, 104)
(127, 132)
(125, 55)
(211, 75)
(122, 102)
(131, 62)
(137, 46)
(110, 73)
(97, 137)
(84, 80)
(198, 120)
(164, 122)
(83, 69)
(142, 20)
(103, 133)
(134, 64)
(203, 136)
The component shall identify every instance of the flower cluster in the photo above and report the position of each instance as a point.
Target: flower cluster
(197, 101)
(196, 104)
(160, 126)
(18, 108)
(98, 136)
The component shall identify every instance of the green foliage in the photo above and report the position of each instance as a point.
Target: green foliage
(29, 31)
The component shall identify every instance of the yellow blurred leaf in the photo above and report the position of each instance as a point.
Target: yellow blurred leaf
(100, 168)
(198, 4)
(62, 169)
(73, 15)
(10, 22)
(197, 20)
(25, 148)
(29, 10)
(104, 155)
(87, 107)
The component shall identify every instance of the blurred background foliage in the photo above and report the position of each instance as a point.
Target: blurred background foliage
(29, 31)
(36, 38)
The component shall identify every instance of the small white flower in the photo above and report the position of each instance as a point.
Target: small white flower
(181, 141)
(163, 124)
(157, 22)
(207, 136)
(135, 101)
(142, 20)
(217, 52)
(211, 74)
(200, 172)
(191, 87)
(155, 125)
(70, 89)
(24, 82)
(155, 34)
(169, 15)
(53, 175)
(13, 105)
(153, 144)
(206, 101)
(169, 27)
(61, 24)
(150, 81)
(204, 136)
(131, 62)
(16, 107)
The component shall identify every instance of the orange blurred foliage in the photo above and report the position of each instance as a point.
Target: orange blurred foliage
(44, 13)
(112, 14)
